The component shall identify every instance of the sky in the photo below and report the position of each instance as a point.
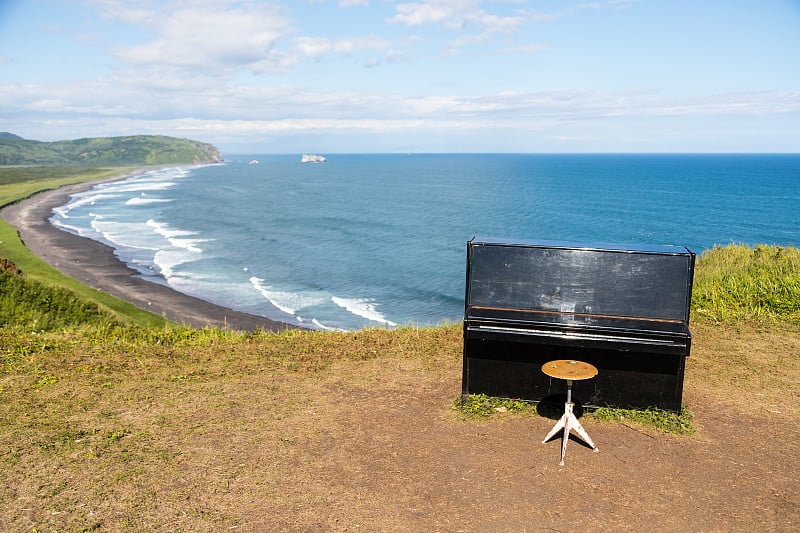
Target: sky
(432, 76)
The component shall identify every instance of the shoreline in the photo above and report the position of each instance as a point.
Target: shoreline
(94, 264)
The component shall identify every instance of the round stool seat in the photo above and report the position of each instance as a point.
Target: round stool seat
(569, 369)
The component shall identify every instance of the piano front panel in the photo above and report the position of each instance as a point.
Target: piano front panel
(626, 378)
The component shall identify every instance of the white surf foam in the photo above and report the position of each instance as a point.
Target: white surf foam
(363, 307)
(147, 201)
(83, 232)
(79, 200)
(320, 325)
(167, 260)
(177, 237)
(287, 301)
(124, 234)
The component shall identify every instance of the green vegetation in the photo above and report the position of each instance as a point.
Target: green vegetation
(32, 305)
(131, 150)
(17, 183)
(483, 406)
(666, 421)
(738, 282)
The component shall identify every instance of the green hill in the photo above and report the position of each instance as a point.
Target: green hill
(131, 150)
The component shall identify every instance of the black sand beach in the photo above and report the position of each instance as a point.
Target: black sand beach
(94, 264)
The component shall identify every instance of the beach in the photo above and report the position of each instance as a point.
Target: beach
(94, 264)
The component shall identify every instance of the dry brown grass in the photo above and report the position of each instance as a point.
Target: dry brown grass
(754, 367)
(190, 435)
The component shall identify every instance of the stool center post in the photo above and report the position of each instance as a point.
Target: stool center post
(569, 391)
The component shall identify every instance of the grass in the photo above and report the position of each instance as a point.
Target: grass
(739, 282)
(138, 429)
(666, 421)
(33, 305)
(130, 424)
(476, 406)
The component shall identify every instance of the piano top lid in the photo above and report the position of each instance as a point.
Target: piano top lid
(596, 246)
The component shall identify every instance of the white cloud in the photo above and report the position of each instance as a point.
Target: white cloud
(294, 108)
(206, 36)
(125, 10)
(316, 47)
(285, 119)
(457, 15)
(417, 14)
(313, 46)
(453, 14)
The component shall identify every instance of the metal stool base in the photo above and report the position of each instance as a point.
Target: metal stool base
(568, 422)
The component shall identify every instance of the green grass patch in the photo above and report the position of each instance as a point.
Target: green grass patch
(482, 406)
(32, 305)
(665, 421)
(144, 421)
(737, 282)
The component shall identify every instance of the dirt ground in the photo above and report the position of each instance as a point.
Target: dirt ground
(405, 463)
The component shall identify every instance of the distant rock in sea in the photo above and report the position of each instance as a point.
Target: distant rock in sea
(312, 158)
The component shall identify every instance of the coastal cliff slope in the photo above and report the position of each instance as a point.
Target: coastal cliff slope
(136, 149)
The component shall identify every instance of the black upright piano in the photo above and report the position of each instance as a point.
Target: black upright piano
(623, 309)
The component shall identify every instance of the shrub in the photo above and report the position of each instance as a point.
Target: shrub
(32, 305)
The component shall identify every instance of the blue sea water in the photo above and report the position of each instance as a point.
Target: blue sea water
(380, 240)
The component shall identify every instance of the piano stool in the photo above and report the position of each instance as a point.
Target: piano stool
(570, 371)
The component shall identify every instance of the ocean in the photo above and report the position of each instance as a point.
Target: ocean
(380, 240)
